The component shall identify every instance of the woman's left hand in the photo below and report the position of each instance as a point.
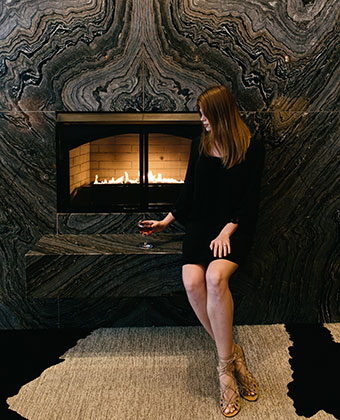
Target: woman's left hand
(221, 245)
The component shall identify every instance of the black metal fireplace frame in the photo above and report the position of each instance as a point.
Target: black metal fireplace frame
(75, 129)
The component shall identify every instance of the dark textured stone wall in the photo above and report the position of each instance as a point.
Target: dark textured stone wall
(280, 58)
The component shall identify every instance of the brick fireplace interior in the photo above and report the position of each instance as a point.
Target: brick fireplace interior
(116, 160)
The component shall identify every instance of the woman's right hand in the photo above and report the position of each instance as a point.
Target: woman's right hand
(154, 225)
(158, 225)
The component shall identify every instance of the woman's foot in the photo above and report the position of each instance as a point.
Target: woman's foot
(230, 397)
(247, 382)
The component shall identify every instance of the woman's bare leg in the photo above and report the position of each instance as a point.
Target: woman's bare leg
(195, 286)
(220, 311)
(220, 305)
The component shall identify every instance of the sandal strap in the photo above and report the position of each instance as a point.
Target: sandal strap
(226, 366)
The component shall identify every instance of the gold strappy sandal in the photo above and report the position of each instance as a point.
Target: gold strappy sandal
(227, 367)
(247, 382)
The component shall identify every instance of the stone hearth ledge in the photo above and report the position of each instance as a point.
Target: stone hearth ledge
(104, 265)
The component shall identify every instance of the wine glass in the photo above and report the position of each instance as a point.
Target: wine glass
(143, 229)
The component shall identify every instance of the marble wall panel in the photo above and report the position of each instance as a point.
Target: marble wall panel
(78, 55)
(280, 58)
(103, 55)
(268, 53)
(295, 259)
(27, 208)
(28, 169)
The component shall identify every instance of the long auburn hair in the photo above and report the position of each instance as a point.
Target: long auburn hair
(229, 135)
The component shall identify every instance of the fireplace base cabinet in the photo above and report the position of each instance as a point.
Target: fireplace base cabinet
(110, 273)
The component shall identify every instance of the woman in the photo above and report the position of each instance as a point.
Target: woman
(218, 206)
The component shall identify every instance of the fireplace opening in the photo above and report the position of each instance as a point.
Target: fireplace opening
(122, 162)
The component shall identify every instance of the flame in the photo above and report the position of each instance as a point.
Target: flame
(124, 179)
(153, 179)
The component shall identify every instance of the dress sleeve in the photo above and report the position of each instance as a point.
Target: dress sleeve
(183, 206)
(246, 209)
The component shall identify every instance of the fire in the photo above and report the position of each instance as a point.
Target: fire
(124, 179)
(153, 179)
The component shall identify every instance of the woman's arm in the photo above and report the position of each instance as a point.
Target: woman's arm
(246, 209)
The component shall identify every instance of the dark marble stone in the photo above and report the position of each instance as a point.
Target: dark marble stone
(7, 319)
(293, 271)
(27, 204)
(27, 166)
(133, 55)
(264, 52)
(107, 223)
(42, 313)
(103, 266)
(97, 244)
(81, 56)
(126, 312)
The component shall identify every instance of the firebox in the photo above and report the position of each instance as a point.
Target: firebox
(122, 162)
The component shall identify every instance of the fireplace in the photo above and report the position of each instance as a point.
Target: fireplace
(122, 162)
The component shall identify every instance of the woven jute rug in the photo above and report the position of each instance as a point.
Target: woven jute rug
(159, 373)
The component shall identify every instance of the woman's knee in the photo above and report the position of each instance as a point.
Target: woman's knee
(217, 281)
(193, 278)
(218, 275)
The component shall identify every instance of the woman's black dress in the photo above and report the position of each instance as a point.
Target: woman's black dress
(213, 196)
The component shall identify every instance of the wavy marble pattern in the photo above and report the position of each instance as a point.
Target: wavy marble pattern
(104, 244)
(107, 223)
(264, 51)
(296, 25)
(27, 166)
(27, 207)
(301, 201)
(281, 58)
(103, 266)
(27, 185)
(75, 56)
(267, 52)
